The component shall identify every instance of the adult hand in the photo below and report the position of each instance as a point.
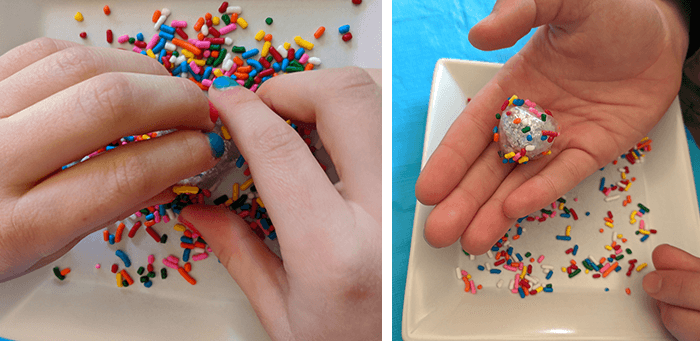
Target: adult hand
(607, 70)
(62, 101)
(675, 284)
(329, 285)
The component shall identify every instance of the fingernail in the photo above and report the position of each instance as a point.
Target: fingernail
(213, 113)
(652, 283)
(217, 145)
(224, 82)
(426, 239)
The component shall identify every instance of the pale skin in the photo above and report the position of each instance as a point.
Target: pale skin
(62, 101)
(608, 70)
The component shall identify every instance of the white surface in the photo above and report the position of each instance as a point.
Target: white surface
(88, 305)
(436, 306)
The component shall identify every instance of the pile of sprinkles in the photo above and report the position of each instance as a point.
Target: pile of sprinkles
(202, 60)
(504, 256)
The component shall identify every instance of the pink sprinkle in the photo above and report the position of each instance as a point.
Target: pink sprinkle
(200, 256)
(156, 215)
(166, 219)
(604, 268)
(464, 273)
(173, 259)
(617, 252)
(606, 191)
(123, 39)
(207, 53)
(195, 68)
(151, 259)
(554, 206)
(138, 214)
(641, 224)
(471, 283)
(97, 266)
(195, 235)
(554, 214)
(154, 40)
(304, 58)
(528, 103)
(202, 44)
(545, 215)
(254, 87)
(169, 264)
(508, 267)
(242, 83)
(227, 28)
(520, 267)
(576, 199)
(192, 41)
(206, 82)
(639, 214)
(540, 259)
(230, 72)
(178, 23)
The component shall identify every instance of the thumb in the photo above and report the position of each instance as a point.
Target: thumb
(256, 269)
(511, 20)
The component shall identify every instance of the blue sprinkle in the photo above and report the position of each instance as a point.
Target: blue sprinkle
(207, 72)
(520, 220)
(505, 161)
(610, 259)
(253, 73)
(563, 238)
(520, 258)
(588, 213)
(285, 63)
(272, 235)
(520, 289)
(254, 63)
(130, 138)
(509, 261)
(618, 268)
(529, 137)
(250, 53)
(111, 239)
(495, 271)
(245, 207)
(165, 35)
(150, 216)
(187, 240)
(520, 230)
(109, 147)
(262, 210)
(276, 66)
(139, 36)
(240, 161)
(344, 29)
(147, 284)
(565, 215)
(549, 275)
(543, 138)
(546, 289)
(646, 236)
(124, 257)
(575, 249)
(511, 161)
(167, 29)
(186, 255)
(495, 129)
(263, 223)
(480, 267)
(161, 210)
(606, 289)
(300, 52)
(602, 184)
(494, 248)
(518, 102)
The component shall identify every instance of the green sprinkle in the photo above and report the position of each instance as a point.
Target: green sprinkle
(145, 211)
(643, 207)
(465, 252)
(163, 273)
(587, 266)
(629, 252)
(220, 58)
(151, 274)
(636, 232)
(544, 117)
(238, 49)
(57, 272)
(210, 61)
(526, 129)
(131, 40)
(291, 69)
(248, 82)
(215, 47)
(270, 58)
(506, 235)
(566, 209)
(140, 270)
(163, 239)
(528, 254)
(125, 283)
(226, 19)
(549, 285)
(571, 275)
(498, 116)
(144, 279)
(294, 63)
(620, 256)
(546, 211)
(268, 21)
(176, 54)
(562, 200)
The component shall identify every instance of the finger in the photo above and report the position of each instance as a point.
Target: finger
(560, 175)
(102, 189)
(346, 107)
(448, 220)
(85, 117)
(667, 257)
(29, 53)
(679, 288)
(471, 132)
(490, 223)
(249, 261)
(286, 174)
(683, 324)
(511, 20)
(66, 68)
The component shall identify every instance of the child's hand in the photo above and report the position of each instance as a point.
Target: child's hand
(329, 285)
(607, 70)
(62, 101)
(675, 284)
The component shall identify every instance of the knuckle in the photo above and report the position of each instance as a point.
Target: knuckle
(42, 44)
(278, 142)
(127, 178)
(74, 63)
(669, 318)
(351, 81)
(107, 95)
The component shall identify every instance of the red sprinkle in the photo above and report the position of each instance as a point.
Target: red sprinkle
(83, 35)
(223, 7)
(153, 234)
(134, 228)
(110, 36)
(115, 267)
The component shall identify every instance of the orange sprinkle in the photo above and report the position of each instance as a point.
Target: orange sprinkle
(602, 260)
(238, 60)
(495, 137)
(156, 16)
(234, 17)
(479, 287)
(65, 271)
(624, 240)
(186, 276)
(615, 162)
(200, 85)
(241, 76)
(516, 121)
(149, 223)
(108, 11)
(245, 69)
(532, 260)
(188, 267)
(127, 277)
(601, 230)
(634, 179)
(514, 264)
(507, 256)
(105, 235)
(118, 234)
(198, 25)
(200, 36)
(498, 256)
(214, 54)
(609, 220)
(629, 198)
(207, 16)
(516, 237)
(573, 262)
(268, 37)
(609, 270)
(187, 46)
(628, 291)
(466, 284)
(319, 32)
(309, 67)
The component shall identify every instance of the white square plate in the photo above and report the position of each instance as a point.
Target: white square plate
(88, 305)
(436, 306)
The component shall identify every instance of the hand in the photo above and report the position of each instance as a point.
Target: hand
(329, 285)
(607, 70)
(62, 101)
(676, 286)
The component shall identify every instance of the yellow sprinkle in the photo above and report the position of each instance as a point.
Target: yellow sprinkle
(234, 194)
(150, 53)
(179, 228)
(469, 276)
(303, 43)
(265, 49)
(145, 137)
(619, 236)
(215, 21)
(79, 17)
(246, 184)
(634, 155)
(563, 269)
(623, 175)
(288, 45)
(510, 101)
(586, 271)
(609, 224)
(523, 159)
(225, 133)
(644, 139)
(200, 62)
(522, 274)
(119, 279)
(260, 203)
(260, 35)
(509, 155)
(218, 73)
(568, 231)
(186, 189)
(634, 213)
(228, 202)
(608, 247)
(628, 186)
(633, 221)
(641, 266)
(242, 23)
(540, 289)
(643, 231)
(547, 152)
(187, 54)
(561, 206)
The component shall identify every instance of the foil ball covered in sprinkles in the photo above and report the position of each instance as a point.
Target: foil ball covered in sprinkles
(525, 131)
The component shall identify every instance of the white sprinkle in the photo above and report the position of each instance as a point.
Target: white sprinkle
(172, 59)
(546, 266)
(171, 214)
(530, 148)
(487, 266)
(614, 236)
(459, 273)
(510, 285)
(489, 253)
(228, 41)
(205, 30)
(615, 197)
(620, 184)
(523, 229)
(546, 271)
(165, 12)
(535, 288)
(471, 257)
(500, 283)
(160, 21)
(227, 65)
(315, 61)
(233, 9)
(621, 170)
(170, 46)
(282, 51)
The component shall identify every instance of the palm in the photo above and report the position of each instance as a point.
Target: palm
(606, 93)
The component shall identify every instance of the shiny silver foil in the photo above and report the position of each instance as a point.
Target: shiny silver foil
(512, 138)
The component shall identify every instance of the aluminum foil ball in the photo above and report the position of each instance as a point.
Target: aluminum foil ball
(525, 131)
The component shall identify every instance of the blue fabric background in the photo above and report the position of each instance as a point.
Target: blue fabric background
(423, 32)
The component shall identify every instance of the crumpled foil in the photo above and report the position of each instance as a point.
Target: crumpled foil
(512, 139)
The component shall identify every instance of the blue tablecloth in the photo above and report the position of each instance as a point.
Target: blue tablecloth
(423, 32)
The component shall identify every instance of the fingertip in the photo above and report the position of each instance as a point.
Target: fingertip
(441, 229)
(652, 283)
